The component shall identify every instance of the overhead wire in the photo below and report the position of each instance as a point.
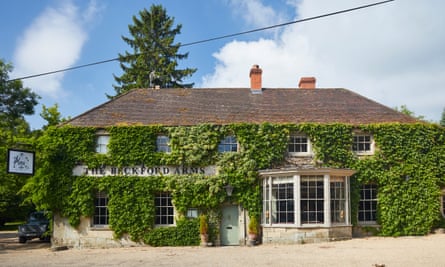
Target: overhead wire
(216, 38)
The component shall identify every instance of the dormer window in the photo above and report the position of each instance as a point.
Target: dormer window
(228, 144)
(163, 144)
(299, 145)
(102, 144)
(363, 144)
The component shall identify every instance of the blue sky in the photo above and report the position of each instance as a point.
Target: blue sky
(392, 53)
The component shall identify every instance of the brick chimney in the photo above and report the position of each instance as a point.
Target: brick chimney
(307, 83)
(255, 78)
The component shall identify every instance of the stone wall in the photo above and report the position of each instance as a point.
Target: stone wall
(281, 235)
(84, 236)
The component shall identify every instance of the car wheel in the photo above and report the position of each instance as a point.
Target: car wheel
(22, 239)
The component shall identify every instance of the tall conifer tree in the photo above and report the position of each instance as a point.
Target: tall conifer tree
(155, 55)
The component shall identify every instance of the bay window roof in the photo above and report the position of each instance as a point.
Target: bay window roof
(307, 171)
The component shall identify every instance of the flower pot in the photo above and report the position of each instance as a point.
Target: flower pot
(252, 239)
(204, 239)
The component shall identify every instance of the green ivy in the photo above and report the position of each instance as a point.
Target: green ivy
(408, 166)
(185, 233)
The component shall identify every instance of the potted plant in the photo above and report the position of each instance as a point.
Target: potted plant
(253, 230)
(203, 229)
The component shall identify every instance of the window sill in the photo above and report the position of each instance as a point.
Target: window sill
(300, 155)
(164, 225)
(306, 226)
(370, 153)
(100, 228)
(368, 223)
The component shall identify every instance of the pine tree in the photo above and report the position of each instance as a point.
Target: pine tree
(154, 58)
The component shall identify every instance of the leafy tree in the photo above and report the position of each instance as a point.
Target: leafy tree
(154, 58)
(404, 109)
(15, 102)
(51, 115)
(442, 120)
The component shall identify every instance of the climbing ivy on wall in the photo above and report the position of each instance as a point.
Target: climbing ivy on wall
(408, 166)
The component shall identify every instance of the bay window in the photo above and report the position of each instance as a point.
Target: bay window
(306, 198)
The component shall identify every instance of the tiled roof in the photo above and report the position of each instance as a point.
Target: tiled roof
(173, 107)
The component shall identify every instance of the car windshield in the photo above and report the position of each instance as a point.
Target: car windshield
(37, 217)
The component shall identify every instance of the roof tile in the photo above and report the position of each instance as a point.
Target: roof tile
(174, 107)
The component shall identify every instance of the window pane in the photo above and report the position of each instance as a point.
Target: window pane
(164, 209)
(368, 203)
(282, 201)
(102, 144)
(361, 143)
(312, 199)
(163, 144)
(266, 202)
(100, 216)
(228, 144)
(338, 200)
(298, 144)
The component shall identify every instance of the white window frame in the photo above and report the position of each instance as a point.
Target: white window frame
(308, 145)
(229, 141)
(373, 200)
(102, 207)
(269, 211)
(363, 152)
(313, 199)
(279, 182)
(192, 213)
(163, 144)
(102, 142)
(338, 195)
(164, 210)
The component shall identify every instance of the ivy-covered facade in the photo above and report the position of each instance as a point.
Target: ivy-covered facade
(112, 178)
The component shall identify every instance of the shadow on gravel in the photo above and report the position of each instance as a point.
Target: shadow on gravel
(10, 241)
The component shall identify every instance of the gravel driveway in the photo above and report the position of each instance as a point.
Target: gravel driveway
(368, 252)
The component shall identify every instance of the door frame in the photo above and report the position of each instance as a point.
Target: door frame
(241, 225)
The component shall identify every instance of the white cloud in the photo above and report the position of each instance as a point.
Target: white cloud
(390, 53)
(53, 41)
(255, 13)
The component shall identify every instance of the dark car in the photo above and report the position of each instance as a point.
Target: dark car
(36, 227)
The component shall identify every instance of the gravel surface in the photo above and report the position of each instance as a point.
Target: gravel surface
(368, 252)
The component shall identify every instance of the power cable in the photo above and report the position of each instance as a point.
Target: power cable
(216, 38)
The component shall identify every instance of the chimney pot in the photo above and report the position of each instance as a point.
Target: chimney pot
(307, 83)
(255, 78)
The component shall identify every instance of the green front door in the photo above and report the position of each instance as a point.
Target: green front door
(230, 226)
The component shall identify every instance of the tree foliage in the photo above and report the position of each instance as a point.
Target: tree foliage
(51, 115)
(15, 102)
(404, 109)
(154, 59)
